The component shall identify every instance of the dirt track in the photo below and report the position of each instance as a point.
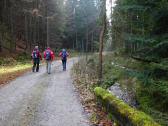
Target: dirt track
(39, 99)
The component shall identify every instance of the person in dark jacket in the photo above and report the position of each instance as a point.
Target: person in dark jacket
(36, 57)
(64, 54)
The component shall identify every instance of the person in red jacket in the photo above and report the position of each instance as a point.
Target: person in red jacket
(49, 57)
(36, 57)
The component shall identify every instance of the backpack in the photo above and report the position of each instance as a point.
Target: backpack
(48, 55)
(64, 55)
(35, 54)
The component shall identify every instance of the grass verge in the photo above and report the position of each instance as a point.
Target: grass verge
(13, 67)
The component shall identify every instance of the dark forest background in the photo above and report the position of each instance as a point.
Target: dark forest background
(56, 23)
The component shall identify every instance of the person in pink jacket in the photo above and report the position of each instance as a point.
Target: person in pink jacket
(49, 57)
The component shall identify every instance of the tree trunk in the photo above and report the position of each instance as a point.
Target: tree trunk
(92, 42)
(0, 43)
(26, 32)
(12, 30)
(101, 40)
(76, 40)
(30, 32)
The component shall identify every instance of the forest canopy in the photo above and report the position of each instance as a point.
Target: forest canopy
(140, 26)
(55, 23)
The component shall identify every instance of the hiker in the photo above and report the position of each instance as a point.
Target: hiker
(36, 57)
(64, 54)
(49, 57)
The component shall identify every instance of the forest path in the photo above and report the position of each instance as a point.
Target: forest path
(39, 99)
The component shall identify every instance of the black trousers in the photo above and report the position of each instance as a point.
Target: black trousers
(64, 64)
(36, 63)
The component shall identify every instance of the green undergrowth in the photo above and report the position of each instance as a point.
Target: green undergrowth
(123, 112)
(147, 81)
(14, 64)
(22, 58)
(73, 53)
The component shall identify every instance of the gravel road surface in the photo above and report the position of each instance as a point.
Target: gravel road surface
(39, 99)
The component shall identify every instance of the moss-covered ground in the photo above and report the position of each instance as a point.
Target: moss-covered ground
(126, 114)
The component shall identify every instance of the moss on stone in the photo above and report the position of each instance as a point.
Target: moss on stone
(126, 113)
